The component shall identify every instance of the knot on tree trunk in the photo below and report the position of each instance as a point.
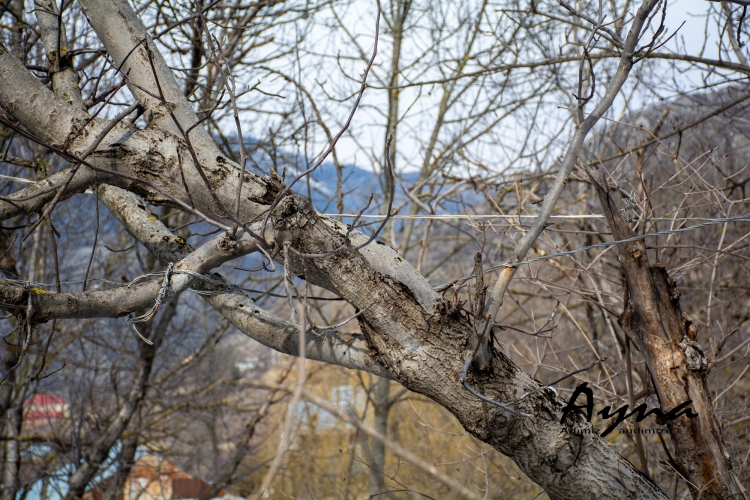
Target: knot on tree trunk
(694, 357)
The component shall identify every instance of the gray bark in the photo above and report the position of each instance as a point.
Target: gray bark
(12, 463)
(415, 336)
(120, 301)
(64, 77)
(328, 346)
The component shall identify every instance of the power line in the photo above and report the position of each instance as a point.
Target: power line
(462, 216)
(707, 222)
(710, 222)
(525, 216)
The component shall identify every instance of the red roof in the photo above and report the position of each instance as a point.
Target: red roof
(44, 400)
(44, 408)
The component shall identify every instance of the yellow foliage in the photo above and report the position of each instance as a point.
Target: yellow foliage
(328, 458)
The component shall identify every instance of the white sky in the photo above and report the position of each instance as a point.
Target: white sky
(690, 39)
(368, 124)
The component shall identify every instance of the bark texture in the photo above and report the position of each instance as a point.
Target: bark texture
(666, 336)
(329, 346)
(409, 332)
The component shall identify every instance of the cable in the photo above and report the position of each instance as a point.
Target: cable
(463, 216)
(17, 179)
(500, 216)
(710, 222)
(151, 312)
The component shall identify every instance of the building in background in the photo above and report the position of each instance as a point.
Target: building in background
(153, 478)
(44, 409)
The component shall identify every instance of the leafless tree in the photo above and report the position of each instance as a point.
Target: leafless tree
(147, 107)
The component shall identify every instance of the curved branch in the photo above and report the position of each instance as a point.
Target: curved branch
(34, 105)
(571, 156)
(127, 41)
(64, 77)
(120, 301)
(329, 346)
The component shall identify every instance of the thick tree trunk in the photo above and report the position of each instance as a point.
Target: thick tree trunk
(666, 337)
(564, 464)
(422, 342)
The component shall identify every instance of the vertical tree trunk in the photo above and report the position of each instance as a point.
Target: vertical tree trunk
(381, 408)
(12, 451)
(8, 264)
(381, 405)
(399, 12)
(125, 462)
(196, 52)
(666, 337)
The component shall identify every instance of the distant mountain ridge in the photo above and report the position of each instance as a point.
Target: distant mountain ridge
(357, 183)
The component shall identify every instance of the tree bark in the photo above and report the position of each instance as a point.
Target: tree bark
(666, 337)
(417, 337)
(12, 462)
(333, 347)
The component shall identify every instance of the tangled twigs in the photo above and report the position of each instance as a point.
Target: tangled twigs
(388, 215)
